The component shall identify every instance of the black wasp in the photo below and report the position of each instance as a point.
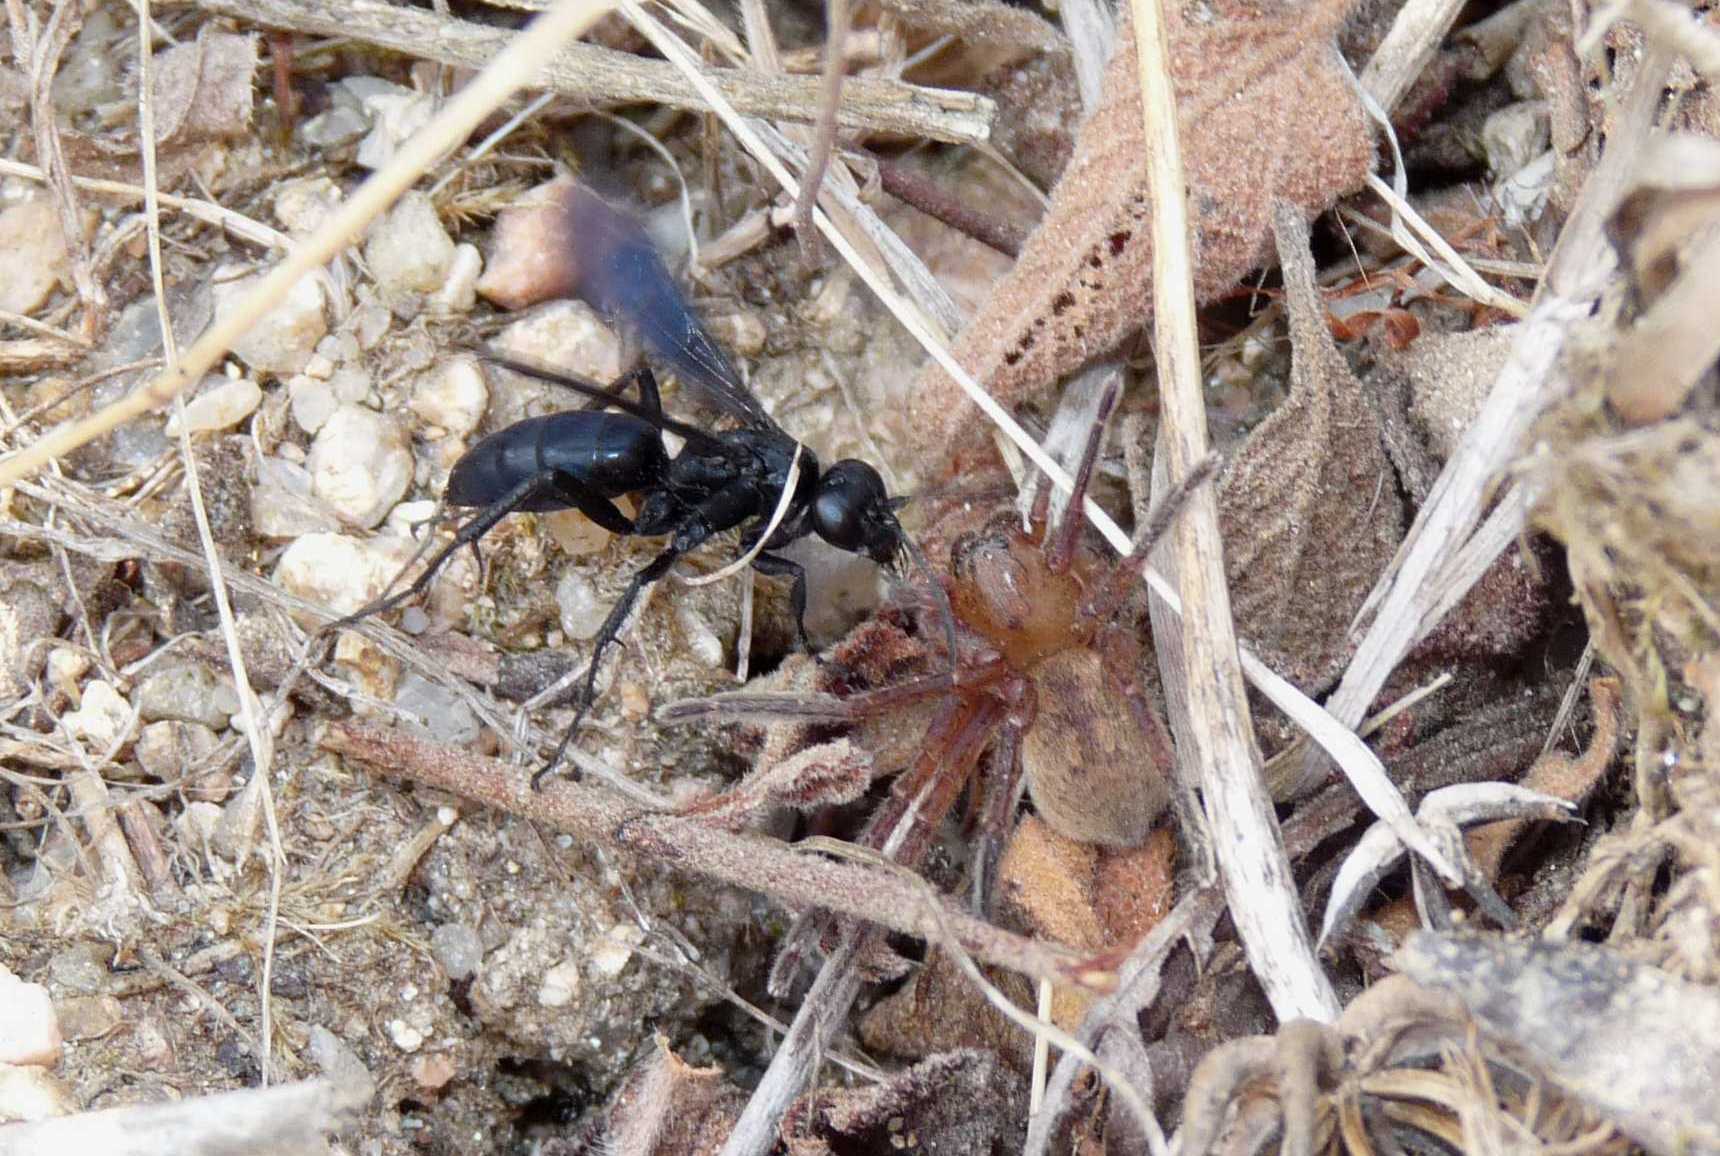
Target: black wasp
(584, 459)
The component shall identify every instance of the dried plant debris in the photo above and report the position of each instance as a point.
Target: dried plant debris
(1267, 114)
(1399, 1071)
(668, 1107)
(964, 1101)
(1634, 1043)
(1309, 506)
(203, 89)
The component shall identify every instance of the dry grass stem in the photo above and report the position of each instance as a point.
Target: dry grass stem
(1217, 737)
(1529, 382)
(1416, 34)
(600, 76)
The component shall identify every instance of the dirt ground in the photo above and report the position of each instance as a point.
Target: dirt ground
(1442, 399)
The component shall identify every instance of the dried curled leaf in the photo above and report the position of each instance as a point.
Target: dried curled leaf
(1309, 509)
(1267, 114)
(203, 89)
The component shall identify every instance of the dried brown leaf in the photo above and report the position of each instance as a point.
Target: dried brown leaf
(1309, 507)
(940, 1009)
(1267, 114)
(203, 89)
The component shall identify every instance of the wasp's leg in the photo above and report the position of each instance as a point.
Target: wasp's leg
(776, 566)
(565, 486)
(724, 510)
(642, 377)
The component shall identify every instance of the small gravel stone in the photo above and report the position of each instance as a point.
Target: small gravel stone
(458, 949)
(612, 950)
(702, 641)
(1515, 135)
(459, 290)
(566, 335)
(582, 610)
(452, 397)
(360, 464)
(406, 1037)
(223, 407)
(344, 574)
(89, 1017)
(197, 824)
(408, 250)
(447, 719)
(35, 249)
(168, 749)
(30, 1031)
(336, 1060)
(351, 384)
(188, 692)
(313, 402)
(432, 1071)
(282, 504)
(32, 1093)
(102, 718)
(560, 984)
(79, 968)
(302, 205)
(283, 339)
(526, 265)
(65, 667)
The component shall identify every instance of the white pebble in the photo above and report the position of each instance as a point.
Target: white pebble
(283, 339)
(406, 1037)
(341, 573)
(560, 984)
(452, 396)
(302, 205)
(611, 951)
(313, 402)
(582, 611)
(29, 1029)
(447, 719)
(360, 464)
(102, 718)
(282, 505)
(350, 383)
(566, 335)
(223, 407)
(701, 640)
(459, 290)
(408, 250)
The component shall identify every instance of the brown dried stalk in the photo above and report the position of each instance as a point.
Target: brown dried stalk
(768, 866)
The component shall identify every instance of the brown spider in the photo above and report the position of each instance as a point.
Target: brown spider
(1043, 687)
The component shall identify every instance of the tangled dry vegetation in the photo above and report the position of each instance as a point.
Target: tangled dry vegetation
(1442, 315)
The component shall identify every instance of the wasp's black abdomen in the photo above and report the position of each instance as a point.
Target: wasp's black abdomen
(610, 453)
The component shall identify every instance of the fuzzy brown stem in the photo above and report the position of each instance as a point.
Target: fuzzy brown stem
(768, 866)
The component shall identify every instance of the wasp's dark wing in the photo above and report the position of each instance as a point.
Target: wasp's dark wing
(619, 273)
